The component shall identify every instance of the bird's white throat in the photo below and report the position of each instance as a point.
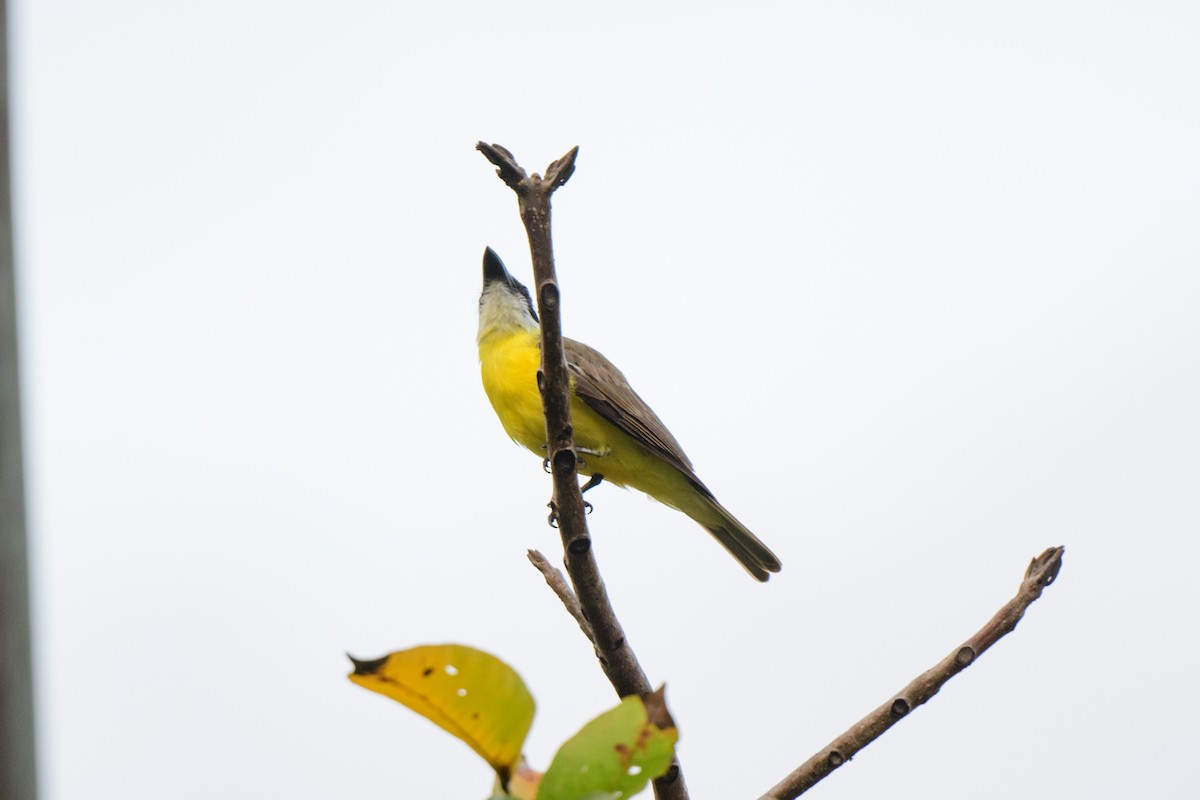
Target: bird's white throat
(502, 311)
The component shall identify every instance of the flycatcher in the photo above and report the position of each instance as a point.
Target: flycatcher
(617, 437)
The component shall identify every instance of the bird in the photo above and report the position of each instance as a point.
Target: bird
(618, 438)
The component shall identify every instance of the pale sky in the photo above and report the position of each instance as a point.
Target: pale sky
(917, 287)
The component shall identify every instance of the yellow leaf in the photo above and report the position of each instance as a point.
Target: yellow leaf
(467, 692)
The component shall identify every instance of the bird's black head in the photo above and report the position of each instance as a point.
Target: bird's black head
(494, 271)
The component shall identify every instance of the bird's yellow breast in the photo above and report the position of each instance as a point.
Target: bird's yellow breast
(509, 364)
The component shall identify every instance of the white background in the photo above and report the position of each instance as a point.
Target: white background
(916, 285)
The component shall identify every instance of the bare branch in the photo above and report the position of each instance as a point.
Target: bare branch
(556, 581)
(1041, 573)
(617, 658)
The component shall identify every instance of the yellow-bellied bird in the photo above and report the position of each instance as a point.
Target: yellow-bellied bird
(617, 437)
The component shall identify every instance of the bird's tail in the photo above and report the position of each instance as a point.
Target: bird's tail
(743, 545)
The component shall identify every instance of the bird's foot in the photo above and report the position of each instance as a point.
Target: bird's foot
(592, 483)
(552, 519)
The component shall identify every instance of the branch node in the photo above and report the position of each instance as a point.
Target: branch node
(564, 461)
(579, 547)
(965, 656)
(835, 759)
(548, 296)
(900, 707)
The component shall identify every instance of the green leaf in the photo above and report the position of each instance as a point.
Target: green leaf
(613, 757)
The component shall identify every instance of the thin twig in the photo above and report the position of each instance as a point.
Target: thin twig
(617, 658)
(558, 583)
(1041, 573)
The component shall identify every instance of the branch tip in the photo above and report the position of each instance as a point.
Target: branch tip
(561, 170)
(558, 584)
(1043, 569)
(506, 164)
(656, 707)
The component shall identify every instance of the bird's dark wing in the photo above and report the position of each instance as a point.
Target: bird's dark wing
(600, 385)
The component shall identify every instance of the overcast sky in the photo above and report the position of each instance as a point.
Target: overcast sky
(917, 287)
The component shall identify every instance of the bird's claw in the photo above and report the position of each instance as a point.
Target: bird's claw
(592, 483)
(552, 519)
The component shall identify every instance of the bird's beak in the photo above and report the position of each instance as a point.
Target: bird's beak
(494, 270)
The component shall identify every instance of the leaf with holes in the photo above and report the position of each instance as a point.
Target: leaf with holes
(614, 756)
(470, 693)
